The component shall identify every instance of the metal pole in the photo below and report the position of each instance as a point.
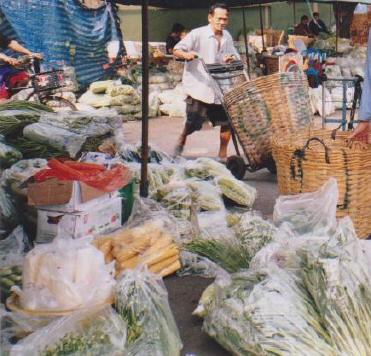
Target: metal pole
(145, 94)
(337, 27)
(245, 40)
(261, 25)
(294, 8)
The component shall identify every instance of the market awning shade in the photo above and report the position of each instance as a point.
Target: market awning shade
(192, 4)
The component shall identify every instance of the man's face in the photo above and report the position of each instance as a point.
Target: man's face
(305, 22)
(219, 20)
(316, 17)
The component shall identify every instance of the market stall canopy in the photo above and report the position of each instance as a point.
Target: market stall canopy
(184, 4)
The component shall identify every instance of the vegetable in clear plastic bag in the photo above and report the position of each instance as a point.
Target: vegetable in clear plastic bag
(205, 168)
(309, 213)
(95, 332)
(8, 154)
(64, 275)
(142, 301)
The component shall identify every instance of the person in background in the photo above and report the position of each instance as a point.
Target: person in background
(316, 25)
(11, 77)
(302, 29)
(363, 129)
(213, 44)
(174, 37)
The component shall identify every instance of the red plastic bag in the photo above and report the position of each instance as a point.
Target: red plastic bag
(94, 175)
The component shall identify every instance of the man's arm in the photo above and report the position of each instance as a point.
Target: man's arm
(15, 46)
(184, 48)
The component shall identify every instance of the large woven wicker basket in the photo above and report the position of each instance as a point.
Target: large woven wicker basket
(306, 160)
(277, 104)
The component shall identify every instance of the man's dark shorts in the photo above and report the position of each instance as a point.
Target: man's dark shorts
(199, 112)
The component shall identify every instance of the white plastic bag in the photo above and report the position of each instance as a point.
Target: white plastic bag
(309, 212)
(95, 332)
(142, 301)
(65, 274)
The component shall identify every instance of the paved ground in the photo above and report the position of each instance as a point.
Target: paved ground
(185, 292)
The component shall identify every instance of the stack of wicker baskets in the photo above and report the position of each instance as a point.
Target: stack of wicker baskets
(306, 160)
(268, 106)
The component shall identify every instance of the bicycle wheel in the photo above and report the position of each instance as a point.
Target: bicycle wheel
(53, 101)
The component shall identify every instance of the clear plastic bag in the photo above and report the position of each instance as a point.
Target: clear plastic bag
(96, 332)
(148, 239)
(65, 275)
(142, 301)
(205, 168)
(309, 213)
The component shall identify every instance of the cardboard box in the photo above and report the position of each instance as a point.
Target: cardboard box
(98, 219)
(65, 196)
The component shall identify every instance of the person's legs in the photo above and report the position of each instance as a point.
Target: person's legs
(195, 117)
(225, 137)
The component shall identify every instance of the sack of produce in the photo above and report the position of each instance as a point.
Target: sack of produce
(125, 99)
(12, 122)
(66, 274)
(8, 154)
(100, 87)
(129, 109)
(150, 244)
(59, 138)
(309, 212)
(142, 301)
(205, 168)
(177, 109)
(116, 90)
(95, 100)
(208, 196)
(94, 331)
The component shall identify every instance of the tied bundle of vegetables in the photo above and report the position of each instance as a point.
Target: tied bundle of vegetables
(142, 302)
(236, 191)
(146, 245)
(205, 168)
(97, 176)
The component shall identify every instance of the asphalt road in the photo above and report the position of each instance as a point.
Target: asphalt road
(184, 292)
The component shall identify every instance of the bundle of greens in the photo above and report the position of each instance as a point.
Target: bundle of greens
(177, 198)
(12, 122)
(97, 331)
(237, 191)
(142, 302)
(205, 168)
(24, 105)
(208, 197)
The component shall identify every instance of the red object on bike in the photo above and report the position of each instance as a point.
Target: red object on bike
(4, 93)
(19, 79)
(94, 175)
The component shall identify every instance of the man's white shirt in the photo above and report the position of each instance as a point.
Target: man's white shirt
(196, 82)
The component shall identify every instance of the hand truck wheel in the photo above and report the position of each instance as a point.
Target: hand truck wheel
(237, 166)
(271, 166)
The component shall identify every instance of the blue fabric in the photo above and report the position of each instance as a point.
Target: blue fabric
(64, 31)
(365, 109)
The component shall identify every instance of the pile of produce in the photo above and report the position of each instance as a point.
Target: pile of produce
(31, 131)
(148, 244)
(142, 301)
(305, 292)
(173, 102)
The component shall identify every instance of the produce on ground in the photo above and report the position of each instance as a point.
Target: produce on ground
(8, 154)
(208, 196)
(205, 168)
(142, 302)
(149, 244)
(237, 191)
(94, 331)
(306, 294)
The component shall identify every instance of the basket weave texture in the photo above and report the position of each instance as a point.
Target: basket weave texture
(273, 105)
(306, 160)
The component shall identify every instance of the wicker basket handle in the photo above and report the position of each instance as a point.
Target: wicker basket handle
(299, 156)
